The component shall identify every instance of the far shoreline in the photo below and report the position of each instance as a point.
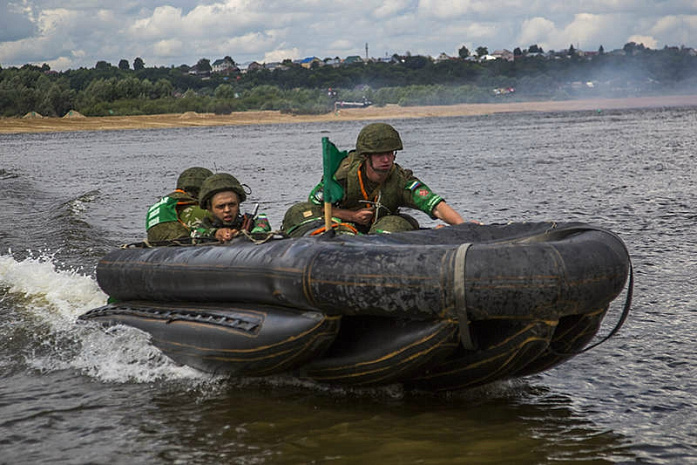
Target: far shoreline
(389, 112)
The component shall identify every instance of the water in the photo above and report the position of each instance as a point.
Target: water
(73, 394)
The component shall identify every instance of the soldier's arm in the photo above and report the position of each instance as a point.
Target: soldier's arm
(446, 213)
(363, 216)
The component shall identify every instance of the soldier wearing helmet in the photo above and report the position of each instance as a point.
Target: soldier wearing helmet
(375, 187)
(221, 195)
(177, 213)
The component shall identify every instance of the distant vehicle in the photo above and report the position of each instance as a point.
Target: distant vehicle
(343, 104)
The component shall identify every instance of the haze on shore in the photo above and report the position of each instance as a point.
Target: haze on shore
(36, 123)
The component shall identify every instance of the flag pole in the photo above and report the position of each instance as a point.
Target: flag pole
(332, 191)
(327, 216)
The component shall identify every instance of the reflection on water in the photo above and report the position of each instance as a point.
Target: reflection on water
(112, 397)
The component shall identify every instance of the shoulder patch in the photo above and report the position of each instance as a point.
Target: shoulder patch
(413, 185)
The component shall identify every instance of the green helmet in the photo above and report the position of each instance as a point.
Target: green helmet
(378, 138)
(190, 179)
(220, 182)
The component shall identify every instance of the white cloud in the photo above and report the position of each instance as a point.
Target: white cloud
(390, 8)
(73, 33)
(536, 31)
(647, 41)
(168, 48)
(281, 54)
(163, 22)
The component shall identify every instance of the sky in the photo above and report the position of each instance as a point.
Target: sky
(70, 34)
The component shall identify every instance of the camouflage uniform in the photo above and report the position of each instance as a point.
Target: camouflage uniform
(210, 225)
(174, 217)
(178, 213)
(222, 182)
(400, 189)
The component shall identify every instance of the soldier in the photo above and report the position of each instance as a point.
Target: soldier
(375, 188)
(178, 213)
(221, 195)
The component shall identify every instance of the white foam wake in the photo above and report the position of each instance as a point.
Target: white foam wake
(46, 302)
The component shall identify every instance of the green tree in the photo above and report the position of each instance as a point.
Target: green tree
(463, 52)
(123, 65)
(138, 64)
(204, 65)
(163, 88)
(224, 91)
(128, 88)
(481, 51)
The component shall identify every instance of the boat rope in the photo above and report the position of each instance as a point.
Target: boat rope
(627, 302)
(618, 325)
(260, 238)
(554, 230)
(335, 225)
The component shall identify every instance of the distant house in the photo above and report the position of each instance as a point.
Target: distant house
(353, 59)
(443, 57)
(391, 60)
(333, 62)
(587, 55)
(309, 61)
(503, 55)
(250, 66)
(224, 66)
(275, 65)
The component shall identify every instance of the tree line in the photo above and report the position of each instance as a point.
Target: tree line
(408, 80)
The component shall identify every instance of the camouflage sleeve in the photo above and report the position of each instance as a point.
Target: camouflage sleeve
(317, 194)
(204, 229)
(192, 216)
(419, 196)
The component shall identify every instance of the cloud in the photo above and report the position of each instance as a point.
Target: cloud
(74, 33)
(536, 31)
(675, 29)
(15, 22)
(390, 8)
(281, 54)
(168, 48)
(647, 41)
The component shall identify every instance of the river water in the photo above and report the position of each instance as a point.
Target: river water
(75, 394)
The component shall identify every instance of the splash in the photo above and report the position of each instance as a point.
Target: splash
(45, 303)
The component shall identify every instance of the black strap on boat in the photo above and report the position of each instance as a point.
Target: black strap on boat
(620, 322)
(554, 230)
(460, 297)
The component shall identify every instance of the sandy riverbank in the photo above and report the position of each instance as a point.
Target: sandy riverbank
(190, 119)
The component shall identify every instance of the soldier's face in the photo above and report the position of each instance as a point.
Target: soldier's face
(225, 206)
(382, 162)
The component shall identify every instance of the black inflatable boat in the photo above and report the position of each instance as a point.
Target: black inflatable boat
(437, 309)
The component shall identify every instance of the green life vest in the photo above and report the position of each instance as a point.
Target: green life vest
(168, 209)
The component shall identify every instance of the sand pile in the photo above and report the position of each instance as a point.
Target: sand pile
(74, 114)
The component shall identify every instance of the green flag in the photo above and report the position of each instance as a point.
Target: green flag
(331, 158)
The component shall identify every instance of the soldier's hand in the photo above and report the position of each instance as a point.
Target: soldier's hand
(363, 216)
(226, 234)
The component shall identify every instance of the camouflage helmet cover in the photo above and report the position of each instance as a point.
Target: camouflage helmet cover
(378, 138)
(190, 179)
(220, 182)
